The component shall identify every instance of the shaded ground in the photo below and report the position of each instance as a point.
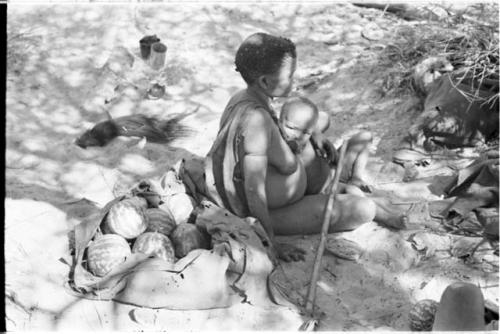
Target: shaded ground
(58, 79)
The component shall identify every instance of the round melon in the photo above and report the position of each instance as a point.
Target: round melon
(160, 220)
(422, 314)
(107, 252)
(126, 218)
(180, 205)
(155, 244)
(187, 237)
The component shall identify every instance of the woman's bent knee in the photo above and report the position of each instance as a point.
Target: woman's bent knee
(353, 190)
(354, 212)
(365, 209)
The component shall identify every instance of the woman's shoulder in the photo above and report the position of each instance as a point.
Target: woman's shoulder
(257, 111)
(256, 119)
(243, 99)
(247, 106)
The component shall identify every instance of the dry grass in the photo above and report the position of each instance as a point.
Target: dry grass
(469, 40)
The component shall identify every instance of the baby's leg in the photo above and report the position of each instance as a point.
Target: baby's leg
(353, 169)
(356, 159)
(320, 175)
(359, 175)
(323, 122)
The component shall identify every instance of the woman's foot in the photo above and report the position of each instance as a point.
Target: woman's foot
(389, 215)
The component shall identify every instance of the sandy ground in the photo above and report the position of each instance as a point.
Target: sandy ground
(56, 87)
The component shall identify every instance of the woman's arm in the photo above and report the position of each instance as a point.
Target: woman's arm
(256, 142)
(255, 167)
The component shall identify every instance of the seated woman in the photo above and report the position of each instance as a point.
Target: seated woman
(251, 171)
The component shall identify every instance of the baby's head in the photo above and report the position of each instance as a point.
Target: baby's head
(298, 120)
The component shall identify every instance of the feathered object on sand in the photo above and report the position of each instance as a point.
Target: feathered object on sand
(153, 129)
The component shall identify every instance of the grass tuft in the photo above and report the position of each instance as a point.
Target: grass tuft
(469, 40)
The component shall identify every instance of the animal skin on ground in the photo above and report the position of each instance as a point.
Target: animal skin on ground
(155, 130)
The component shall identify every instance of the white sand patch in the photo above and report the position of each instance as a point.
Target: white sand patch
(34, 274)
(75, 79)
(109, 316)
(90, 181)
(136, 163)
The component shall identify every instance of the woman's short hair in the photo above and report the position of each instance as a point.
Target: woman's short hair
(262, 54)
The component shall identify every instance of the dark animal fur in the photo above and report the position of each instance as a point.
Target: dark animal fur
(155, 130)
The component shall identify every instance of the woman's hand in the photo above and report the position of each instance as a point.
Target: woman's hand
(324, 148)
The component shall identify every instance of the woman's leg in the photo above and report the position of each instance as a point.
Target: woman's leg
(349, 212)
(461, 309)
(388, 214)
(357, 160)
(306, 216)
(319, 175)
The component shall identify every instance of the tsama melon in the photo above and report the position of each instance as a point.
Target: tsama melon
(187, 237)
(156, 244)
(160, 220)
(181, 205)
(422, 314)
(106, 252)
(126, 218)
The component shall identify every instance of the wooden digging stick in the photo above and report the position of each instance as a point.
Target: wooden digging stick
(332, 191)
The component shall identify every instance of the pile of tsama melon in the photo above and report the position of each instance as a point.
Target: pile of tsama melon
(145, 224)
